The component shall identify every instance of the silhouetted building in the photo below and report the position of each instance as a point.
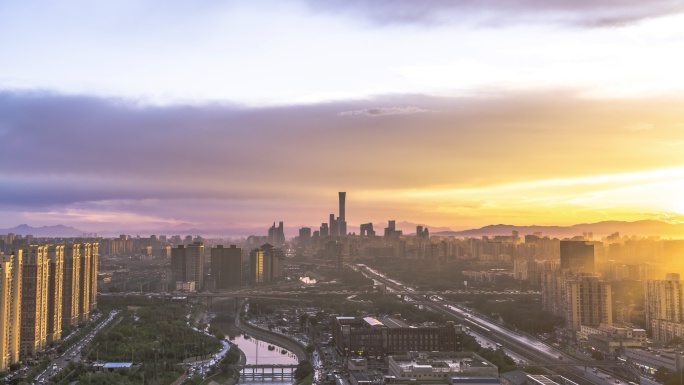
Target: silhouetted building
(422, 232)
(304, 236)
(342, 218)
(324, 230)
(226, 267)
(391, 230)
(276, 235)
(577, 256)
(367, 230)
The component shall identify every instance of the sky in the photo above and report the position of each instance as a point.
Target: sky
(232, 115)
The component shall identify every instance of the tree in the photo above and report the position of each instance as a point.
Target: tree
(303, 370)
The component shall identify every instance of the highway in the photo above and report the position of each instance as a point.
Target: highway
(73, 353)
(520, 345)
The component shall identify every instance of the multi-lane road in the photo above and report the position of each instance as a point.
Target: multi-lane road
(520, 346)
(73, 353)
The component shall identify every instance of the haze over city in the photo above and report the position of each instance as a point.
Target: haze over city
(233, 115)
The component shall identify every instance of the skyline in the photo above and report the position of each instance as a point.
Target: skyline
(449, 114)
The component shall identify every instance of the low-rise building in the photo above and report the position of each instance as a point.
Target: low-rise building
(440, 367)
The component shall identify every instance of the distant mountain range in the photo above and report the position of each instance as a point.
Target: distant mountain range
(45, 231)
(641, 228)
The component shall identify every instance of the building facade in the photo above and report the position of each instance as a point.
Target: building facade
(226, 267)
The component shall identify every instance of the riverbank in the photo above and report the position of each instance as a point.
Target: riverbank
(296, 347)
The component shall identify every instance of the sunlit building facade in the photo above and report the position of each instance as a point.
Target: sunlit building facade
(55, 293)
(664, 305)
(71, 284)
(10, 307)
(588, 302)
(34, 299)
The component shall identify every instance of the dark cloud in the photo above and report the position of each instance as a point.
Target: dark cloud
(593, 13)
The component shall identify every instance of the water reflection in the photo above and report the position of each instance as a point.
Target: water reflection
(258, 352)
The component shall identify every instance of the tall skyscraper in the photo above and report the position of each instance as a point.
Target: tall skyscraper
(577, 256)
(10, 307)
(55, 292)
(71, 284)
(34, 299)
(342, 219)
(226, 267)
(187, 265)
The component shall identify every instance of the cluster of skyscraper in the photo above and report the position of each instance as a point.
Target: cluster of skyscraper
(43, 288)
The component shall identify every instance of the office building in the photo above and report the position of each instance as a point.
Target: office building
(187, 265)
(34, 299)
(577, 256)
(226, 267)
(367, 230)
(71, 284)
(265, 264)
(55, 292)
(10, 307)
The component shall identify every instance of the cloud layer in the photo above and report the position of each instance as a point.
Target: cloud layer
(589, 13)
(79, 156)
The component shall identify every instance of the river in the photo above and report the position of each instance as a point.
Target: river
(256, 351)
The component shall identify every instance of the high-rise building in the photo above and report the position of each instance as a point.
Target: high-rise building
(324, 230)
(187, 265)
(588, 302)
(94, 268)
(577, 256)
(84, 282)
(664, 300)
(342, 219)
(226, 267)
(266, 264)
(34, 299)
(276, 235)
(71, 284)
(367, 230)
(55, 292)
(10, 307)
(304, 236)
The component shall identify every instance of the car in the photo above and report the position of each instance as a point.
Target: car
(617, 381)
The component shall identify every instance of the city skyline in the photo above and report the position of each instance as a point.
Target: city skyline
(234, 114)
